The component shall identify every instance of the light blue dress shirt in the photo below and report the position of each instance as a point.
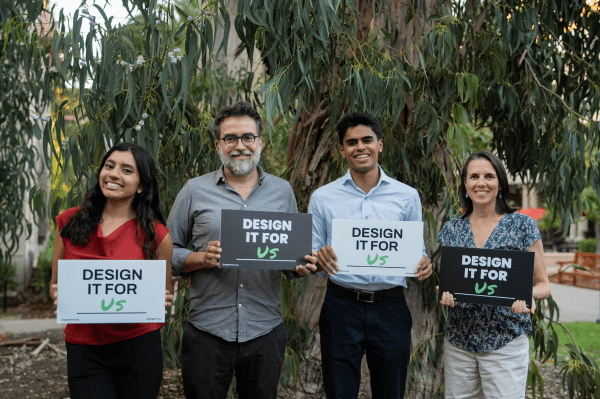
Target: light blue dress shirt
(342, 199)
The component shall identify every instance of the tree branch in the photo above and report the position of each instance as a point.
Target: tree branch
(476, 28)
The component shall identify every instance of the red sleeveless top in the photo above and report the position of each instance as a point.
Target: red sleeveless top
(120, 244)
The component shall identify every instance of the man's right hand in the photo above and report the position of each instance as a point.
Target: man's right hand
(203, 260)
(212, 254)
(327, 260)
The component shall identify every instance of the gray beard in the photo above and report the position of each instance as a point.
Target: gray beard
(240, 167)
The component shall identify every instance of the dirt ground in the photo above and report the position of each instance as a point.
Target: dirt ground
(45, 376)
(23, 376)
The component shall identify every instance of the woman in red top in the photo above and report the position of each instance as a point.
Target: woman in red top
(120, 218)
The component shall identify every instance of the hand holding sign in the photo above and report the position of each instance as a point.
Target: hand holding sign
(310, 266)
(424, 268)
(327, 260)
(520, 307)
(212, 254)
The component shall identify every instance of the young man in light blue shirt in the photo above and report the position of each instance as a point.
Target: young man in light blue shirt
(363, 314)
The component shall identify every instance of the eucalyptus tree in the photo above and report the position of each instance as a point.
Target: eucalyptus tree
(431, 70)
(23, 46)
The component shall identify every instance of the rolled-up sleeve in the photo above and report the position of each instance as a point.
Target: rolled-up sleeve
(416, 214)
(319, 229)
(291, 208)
(180, 225)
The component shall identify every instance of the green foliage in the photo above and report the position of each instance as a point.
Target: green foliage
(580, 373)
(7, 272)
(585, 334)
(432, 74)
(591, 202)
(138, 90)
(172, 333)
(23, 45)
(43, 270)
(549, 222)
(298, 331)
(587, 245)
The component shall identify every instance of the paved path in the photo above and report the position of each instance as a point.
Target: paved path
(20, 326)
(575, 304)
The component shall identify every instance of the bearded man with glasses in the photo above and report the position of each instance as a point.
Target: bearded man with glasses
(234, 325)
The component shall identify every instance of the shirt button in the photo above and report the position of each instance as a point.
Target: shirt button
(240, 305)
(242, 285)
(244, 205)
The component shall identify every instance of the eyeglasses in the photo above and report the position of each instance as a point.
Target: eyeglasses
(247, 140)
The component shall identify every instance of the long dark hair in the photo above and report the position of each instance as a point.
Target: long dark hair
(502, 206)
(145, 204)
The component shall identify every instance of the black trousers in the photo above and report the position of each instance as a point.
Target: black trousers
(130, 369)
(208, 364)
(351, 329)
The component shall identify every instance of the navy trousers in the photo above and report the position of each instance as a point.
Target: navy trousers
(208, 364)
(351, 329)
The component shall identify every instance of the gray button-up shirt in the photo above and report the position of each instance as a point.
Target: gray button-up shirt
(234, 304)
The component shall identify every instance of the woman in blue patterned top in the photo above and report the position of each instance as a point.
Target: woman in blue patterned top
(486, 348)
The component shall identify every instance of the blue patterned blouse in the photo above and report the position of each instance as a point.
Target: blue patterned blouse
(485, 328)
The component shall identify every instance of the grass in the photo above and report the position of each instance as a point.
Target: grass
(9, 313)
(587, 337)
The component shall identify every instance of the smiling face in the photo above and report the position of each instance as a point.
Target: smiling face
(240, 159)
(361, 148)
(119, 179)
(482, 183)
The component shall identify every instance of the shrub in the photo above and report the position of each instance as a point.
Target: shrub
(587, 245)
(43, 271)
(8, 271)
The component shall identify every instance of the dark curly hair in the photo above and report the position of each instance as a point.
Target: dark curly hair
(145, 204)
(502, 205)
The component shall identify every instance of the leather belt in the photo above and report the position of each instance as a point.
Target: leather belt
(364, 296)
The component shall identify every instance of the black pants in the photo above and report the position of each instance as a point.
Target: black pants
(351, 329)
(130, 369)
(208, 364)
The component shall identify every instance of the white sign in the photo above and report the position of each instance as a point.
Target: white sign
(111, 291)
(387, 248)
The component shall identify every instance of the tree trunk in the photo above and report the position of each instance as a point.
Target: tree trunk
(311, 150)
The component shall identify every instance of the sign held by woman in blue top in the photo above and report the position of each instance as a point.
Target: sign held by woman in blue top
(487, 276)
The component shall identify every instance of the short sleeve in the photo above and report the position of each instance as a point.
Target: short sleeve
(531, 233)
(63, 218)
(444, 236)
(161, 231)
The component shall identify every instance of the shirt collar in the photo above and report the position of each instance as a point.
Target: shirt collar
(220, 175)
(383, 178)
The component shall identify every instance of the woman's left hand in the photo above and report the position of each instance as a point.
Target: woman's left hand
(520, 307)
(168, 299)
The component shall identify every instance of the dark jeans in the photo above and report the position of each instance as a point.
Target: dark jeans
(125, 369)
(349, 329)
(208, 364)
